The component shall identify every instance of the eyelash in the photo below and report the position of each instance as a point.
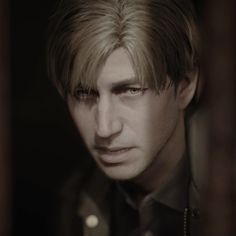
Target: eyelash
(132, 90)
(88, 95)
(84, 95)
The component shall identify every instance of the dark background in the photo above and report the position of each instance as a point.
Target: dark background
(45, 145)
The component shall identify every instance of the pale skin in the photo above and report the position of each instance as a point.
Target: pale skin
(133, 133)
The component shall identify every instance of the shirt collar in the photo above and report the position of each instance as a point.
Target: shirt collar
(174, 193)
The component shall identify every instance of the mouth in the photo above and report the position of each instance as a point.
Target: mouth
(112, 155)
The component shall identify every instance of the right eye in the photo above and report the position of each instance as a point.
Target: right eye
(84, 95)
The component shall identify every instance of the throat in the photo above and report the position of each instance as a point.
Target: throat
(134, 193)
(171, 190)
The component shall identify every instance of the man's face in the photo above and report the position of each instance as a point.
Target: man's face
(127, 127)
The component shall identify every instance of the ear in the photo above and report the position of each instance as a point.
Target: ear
(186, 89)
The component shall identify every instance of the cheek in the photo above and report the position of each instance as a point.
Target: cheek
(153, 124)
(84, 123)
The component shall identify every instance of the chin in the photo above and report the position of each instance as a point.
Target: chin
(120, 172)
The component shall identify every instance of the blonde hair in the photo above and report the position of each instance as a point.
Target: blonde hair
(160, 36)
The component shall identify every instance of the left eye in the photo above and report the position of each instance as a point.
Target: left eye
(134, 91)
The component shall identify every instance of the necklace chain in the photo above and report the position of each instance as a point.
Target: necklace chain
(186, 211)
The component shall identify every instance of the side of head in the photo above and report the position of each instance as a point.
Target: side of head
(160, 36)
(128, 70)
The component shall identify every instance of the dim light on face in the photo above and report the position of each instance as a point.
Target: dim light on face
(128, 128)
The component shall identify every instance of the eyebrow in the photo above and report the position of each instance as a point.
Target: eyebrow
(115, 85)
(125, 82)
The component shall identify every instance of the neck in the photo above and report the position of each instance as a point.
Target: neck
(166, 161)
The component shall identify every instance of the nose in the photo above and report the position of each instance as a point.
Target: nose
(108, 123)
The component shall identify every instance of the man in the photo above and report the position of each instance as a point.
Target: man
(128, 70)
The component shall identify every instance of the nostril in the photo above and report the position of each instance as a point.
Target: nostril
(103, 129)
(108, 131)
(108, 125)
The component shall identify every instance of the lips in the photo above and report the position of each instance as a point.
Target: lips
(112, 155)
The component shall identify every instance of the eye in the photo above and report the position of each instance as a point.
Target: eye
(84, 95)
(134, 91)
(131, 91)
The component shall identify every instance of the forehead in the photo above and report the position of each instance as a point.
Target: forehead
(117, 69)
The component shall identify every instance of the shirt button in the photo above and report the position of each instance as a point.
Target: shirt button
(91, 221)
(148, 233)
(196, 213)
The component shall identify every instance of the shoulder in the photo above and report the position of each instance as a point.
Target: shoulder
(84, 203)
